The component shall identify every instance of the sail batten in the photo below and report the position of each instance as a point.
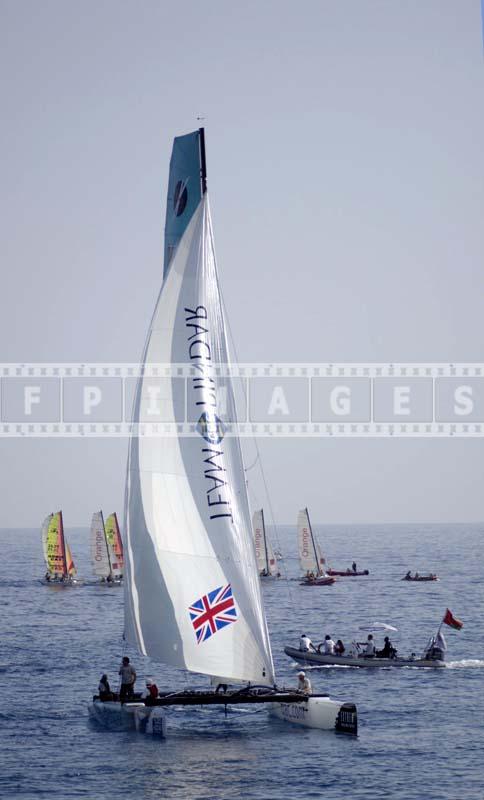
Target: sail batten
(192, 591)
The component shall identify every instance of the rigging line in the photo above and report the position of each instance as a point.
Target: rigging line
(247, 469)
(123, 653)
(258, 457)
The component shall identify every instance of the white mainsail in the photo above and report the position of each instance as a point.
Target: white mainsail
(192, 593)
(264, 553)
(100, 559)
(310, 556)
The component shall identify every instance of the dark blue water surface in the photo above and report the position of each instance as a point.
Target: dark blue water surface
(421, 731)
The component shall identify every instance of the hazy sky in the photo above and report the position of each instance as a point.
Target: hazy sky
(346, 174)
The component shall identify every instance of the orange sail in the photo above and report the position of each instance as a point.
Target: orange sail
(115, 545)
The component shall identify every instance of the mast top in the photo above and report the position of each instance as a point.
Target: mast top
(203, 161)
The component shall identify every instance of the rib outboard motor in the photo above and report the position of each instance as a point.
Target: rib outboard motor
(434, 651)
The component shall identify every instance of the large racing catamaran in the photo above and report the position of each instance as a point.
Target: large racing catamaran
(192, 591)
(57, 553)
(106, 548)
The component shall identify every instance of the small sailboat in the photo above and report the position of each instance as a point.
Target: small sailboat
(106, 548)
(57, 553)
(115, 544)
(311, 559)
(192, 591)
(264, 554)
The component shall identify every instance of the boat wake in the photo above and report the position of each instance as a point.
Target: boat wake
(466, 663)
(309, 667)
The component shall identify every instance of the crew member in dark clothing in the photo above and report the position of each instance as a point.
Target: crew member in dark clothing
(104, 689)
(339, 648)
(387, 651)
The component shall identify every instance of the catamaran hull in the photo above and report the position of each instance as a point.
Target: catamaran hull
(316, 711)
(321, 713)
(321, 659)
(116, 716)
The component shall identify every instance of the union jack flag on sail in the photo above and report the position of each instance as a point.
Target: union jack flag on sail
(212, 612)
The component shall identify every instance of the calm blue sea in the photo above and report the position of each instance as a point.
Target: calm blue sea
(421, 731)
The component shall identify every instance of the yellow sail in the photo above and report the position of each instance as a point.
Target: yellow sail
(45, 536)
(115, 544)
(57, 552)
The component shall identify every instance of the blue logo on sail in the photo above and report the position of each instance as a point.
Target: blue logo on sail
(211, 428)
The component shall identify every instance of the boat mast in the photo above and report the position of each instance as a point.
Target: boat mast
(314, 543)
(265, 542)
(63, 543)
(203, 161)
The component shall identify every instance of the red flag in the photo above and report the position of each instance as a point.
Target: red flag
(452, 621)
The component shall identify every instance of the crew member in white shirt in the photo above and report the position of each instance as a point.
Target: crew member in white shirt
(328, 645)
(370, 647)
(305, 643)
(303, 683)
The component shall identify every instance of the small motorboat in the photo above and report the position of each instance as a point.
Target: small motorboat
(354, 659)
(432, 656)
(417, 577)
(348, 573)
(320, 580)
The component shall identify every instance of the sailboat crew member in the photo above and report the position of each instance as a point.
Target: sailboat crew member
(328, 645)
(128, 679)
(104, 689)
(304, 684)
(151, 691)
